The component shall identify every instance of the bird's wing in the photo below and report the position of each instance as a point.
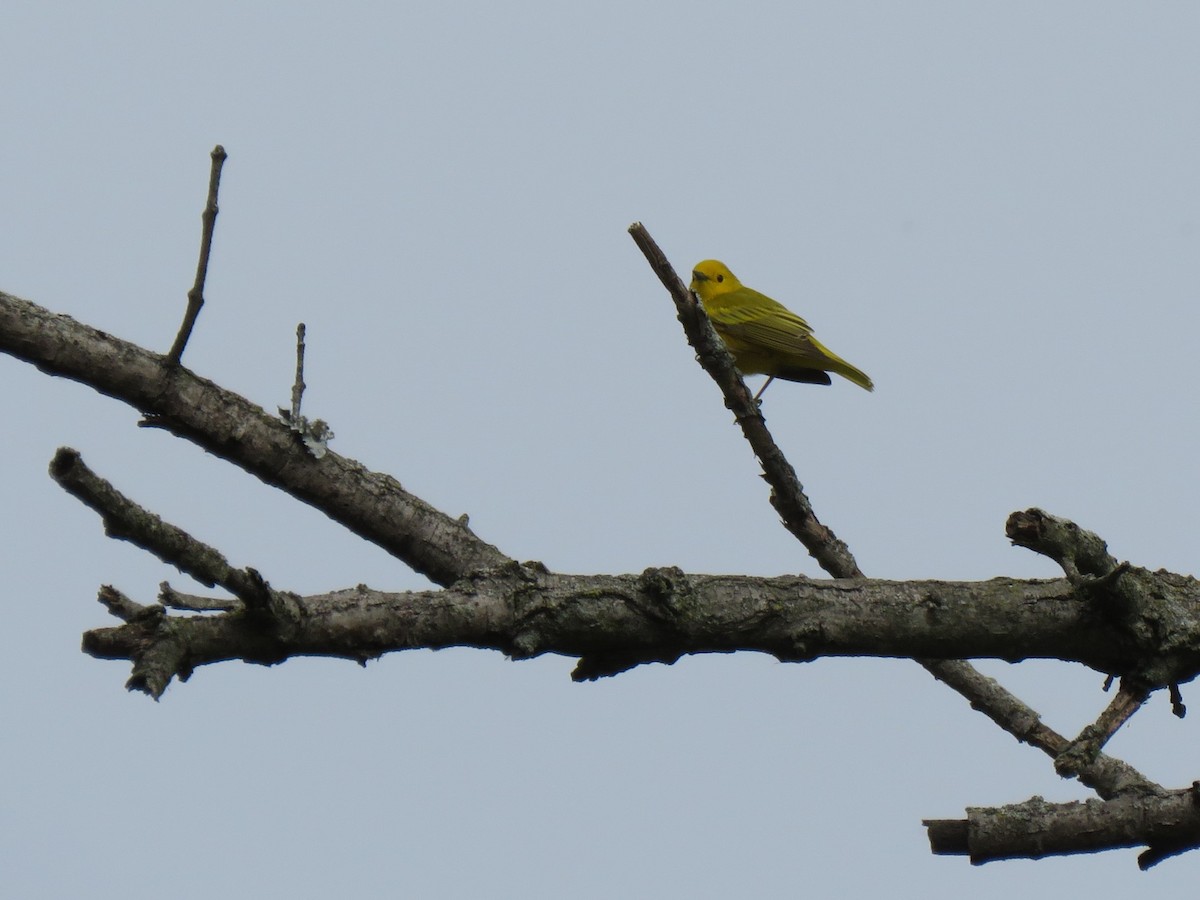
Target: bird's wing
(764, 323)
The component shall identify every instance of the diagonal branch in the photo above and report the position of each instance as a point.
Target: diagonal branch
(1106, 775)
(370, 504)
(1086, 747)
(125, 520)
(787, 494)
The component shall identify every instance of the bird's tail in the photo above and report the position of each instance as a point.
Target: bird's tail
(858, 376)
(835, 363)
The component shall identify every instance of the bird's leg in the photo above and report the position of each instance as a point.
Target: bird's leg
(766, 384)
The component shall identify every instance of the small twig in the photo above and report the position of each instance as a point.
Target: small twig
(123, 607)
(169, 597)
(298, 385)
(1177, 706)
(316, 434)
(1164, 850)
(1083, 751)
(196, 294)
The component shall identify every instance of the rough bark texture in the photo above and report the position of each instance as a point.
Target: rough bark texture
(1141, 626)
(1035, 828)
(371, 504)
(612, 622)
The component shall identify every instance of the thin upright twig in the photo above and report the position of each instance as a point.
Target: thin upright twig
(315, 433)
(196, 294)
(298, 384)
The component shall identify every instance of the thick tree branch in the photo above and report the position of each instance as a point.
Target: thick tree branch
(611, 622)
(372, 505)
(1036, 829)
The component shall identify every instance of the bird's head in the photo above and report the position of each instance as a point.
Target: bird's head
(711, 278)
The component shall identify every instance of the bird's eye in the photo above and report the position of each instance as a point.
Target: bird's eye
(720, 278)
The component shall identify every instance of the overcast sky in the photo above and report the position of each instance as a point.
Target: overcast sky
(991, 208)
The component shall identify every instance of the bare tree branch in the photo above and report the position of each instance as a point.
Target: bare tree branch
(124, 608)
(1077, 552)
(315, 434)
(612, 622)
(173, 599)
(1036, 829)
(298, 384)
(1107, 776)
(371, 504)
(1081, 751)
(127, 521)
(209, 224)
(658, 615)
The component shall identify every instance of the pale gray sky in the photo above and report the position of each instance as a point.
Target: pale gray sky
(992, 208)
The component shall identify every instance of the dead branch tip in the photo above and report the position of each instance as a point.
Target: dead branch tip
(195, 297)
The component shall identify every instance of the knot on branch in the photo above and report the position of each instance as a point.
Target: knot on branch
(147, 639)
(666, 588)
(256, 593)
(162, 646)
(1080, 753)
(1160, 614)
(1159, 611)
(660, 599)
(521, 582)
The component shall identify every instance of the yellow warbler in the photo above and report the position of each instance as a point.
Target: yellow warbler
(765, 337)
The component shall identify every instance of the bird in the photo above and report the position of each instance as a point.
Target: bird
(764, 336)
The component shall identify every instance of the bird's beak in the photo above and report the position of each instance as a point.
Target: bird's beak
(698, 276)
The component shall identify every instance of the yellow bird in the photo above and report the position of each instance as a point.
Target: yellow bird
(765, 337)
